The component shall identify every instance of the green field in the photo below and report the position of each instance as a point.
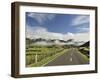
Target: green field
(39, 55)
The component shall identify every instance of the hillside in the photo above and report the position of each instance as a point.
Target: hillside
(85, 44)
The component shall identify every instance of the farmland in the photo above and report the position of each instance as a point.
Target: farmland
(38, 55)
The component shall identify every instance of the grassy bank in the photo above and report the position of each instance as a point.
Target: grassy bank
(41, 55)
(47, 60)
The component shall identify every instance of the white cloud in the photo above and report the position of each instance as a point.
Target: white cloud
(41, 32)
(81, 23)
(77, 36)
(79, 20)
(83, 29)
(70, 34)
(41, 17)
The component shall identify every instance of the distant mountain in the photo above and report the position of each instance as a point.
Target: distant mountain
(78, 43)
(54, 41)
(28, 41)
(70, 40)
(85, 44)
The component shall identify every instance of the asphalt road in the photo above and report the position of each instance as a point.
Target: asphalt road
(71, 57)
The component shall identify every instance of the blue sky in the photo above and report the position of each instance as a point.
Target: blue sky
(61, 24)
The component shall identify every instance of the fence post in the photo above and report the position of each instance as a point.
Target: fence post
(36, 60)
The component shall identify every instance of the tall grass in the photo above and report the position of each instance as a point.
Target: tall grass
(42, 52)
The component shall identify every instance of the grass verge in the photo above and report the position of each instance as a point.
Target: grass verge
(84, 56)
(47, 60)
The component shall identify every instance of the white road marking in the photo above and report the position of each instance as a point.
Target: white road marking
(71, 59)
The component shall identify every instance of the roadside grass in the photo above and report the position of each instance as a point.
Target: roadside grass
(46, 60)
(42, 52)
(85, 51)
(84, 56)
